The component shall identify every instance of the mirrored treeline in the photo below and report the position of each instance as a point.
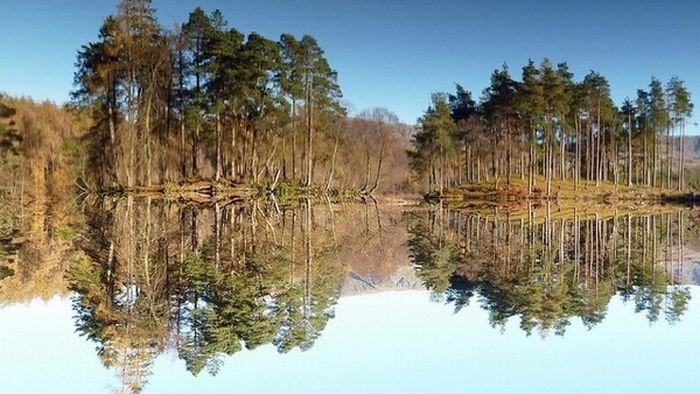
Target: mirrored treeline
(547, 267)
(203, 282)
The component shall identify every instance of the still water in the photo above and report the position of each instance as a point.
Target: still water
(144, 295)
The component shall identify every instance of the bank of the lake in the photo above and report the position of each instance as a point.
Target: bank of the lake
(563, 192)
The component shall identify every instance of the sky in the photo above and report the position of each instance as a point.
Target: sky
(394, 54)
(391, 342)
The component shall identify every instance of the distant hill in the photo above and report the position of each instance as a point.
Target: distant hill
(404, 278)
(691, 145)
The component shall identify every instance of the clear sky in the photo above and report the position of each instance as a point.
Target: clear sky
(394, 53)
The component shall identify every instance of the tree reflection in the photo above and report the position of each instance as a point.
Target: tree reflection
(547, 266)
(204, 283)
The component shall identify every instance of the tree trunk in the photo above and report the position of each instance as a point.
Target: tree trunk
(599, 161)
(509, 158)
(589, 152)
(655, 147)
(367, 167)
(294, 139)
(629, 149)
(147, 133)
(379, 167)
(307, 265)
(562, 152)
(669, 155)
(531, 165)
(647, 179)
(468, 165)
(217, 174)
(111, 114)
(217, 236)
(233, 149)
(330, 174)
(309, 136)
(254, 154)
(442, 167)
(195, 149)
(681, 158)
(577, 164)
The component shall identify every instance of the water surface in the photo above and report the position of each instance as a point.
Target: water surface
(146, 295)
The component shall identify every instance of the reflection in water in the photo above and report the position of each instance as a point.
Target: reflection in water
(205, 282)
(547, 267)
(150, 277)
(36, 248)
(8, 235)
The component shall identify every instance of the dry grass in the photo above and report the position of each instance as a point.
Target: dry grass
(605, 192)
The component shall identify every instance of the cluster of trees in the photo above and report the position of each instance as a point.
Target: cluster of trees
(39, 149)
(547, 124)
(547, 270)
(39, 160)
(9, 138)
(36, 248)
(205, 101)
(8, 216)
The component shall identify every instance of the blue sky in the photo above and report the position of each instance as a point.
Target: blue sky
(393, 53)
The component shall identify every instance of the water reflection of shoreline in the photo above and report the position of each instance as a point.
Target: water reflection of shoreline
(547, 267)
(150, 277)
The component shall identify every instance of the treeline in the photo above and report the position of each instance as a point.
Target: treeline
(39, 149)
(40, 158)
(549, 125)
(203, 101)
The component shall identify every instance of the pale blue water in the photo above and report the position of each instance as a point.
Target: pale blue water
(391, 342)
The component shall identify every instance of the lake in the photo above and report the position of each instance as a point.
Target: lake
(140, 294)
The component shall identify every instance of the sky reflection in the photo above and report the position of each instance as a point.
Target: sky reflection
(382, 342)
